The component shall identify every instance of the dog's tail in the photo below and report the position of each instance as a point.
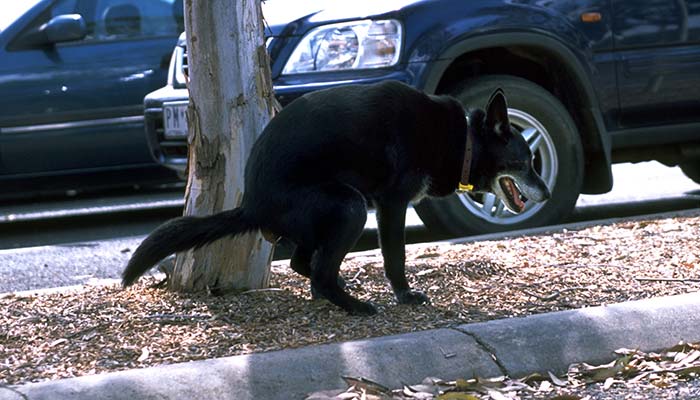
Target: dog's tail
(182, 234)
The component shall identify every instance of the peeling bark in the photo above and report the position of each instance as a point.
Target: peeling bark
(231, 101)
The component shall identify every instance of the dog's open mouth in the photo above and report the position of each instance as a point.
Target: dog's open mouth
(513, 196)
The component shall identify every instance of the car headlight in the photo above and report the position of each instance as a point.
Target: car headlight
(349, 45)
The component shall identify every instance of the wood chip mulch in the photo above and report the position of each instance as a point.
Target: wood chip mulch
(106, 328)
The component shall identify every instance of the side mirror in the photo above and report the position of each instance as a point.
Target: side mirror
(64, 28)
(61, 28)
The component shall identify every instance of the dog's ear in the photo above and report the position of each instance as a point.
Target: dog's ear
(497, 113)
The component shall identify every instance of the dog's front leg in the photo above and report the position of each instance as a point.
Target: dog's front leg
(391, 218)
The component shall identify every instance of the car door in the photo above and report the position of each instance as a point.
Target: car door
(658, 68)
(77, 105)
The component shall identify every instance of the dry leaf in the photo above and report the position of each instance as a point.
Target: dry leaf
(555, 380)
(425, 272)
(346, 396)
(456, 396)
(496, 395)
(57, 342)
(419, 395)
(534, 377)
(545, 386)
(145, 352)
(466, 385)
(367, 385)
(690, 358)
(608, 383)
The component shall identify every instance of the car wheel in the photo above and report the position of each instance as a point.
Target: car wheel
(691, 169)
(558, 158)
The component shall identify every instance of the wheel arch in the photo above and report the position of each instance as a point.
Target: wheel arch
(550, 64)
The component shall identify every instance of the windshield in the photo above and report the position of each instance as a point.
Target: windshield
(11, 10)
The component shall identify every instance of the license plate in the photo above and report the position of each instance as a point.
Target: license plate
(175, 120)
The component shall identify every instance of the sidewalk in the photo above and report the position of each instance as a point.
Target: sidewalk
(514, 347)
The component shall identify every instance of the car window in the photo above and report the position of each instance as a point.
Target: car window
(64, 7)
(108, 20)
(13, 10)
(115, 19)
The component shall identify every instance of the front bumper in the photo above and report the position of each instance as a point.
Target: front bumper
(173, 153)
(170, 153)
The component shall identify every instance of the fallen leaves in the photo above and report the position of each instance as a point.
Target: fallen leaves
(499, 388)
(632, 367)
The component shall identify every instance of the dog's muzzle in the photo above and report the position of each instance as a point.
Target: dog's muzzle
(515, 191)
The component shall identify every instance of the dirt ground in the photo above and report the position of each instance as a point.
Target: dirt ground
(106, 328)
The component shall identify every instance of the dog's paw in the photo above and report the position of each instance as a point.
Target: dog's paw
(361, 308)
(317, 296)
(411, 297)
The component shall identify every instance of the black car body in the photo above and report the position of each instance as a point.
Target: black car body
(589, 83)
(73, 74)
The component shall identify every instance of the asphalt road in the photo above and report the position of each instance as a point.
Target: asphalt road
(72, 241)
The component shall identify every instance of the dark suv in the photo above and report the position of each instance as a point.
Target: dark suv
(588, 83)
(73, 74)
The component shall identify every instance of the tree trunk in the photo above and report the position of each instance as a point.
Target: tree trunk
(231, 101)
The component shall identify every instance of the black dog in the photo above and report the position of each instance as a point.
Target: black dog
(319, 161)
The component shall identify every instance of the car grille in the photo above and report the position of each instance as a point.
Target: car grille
(173, 149)
(184, 67)
(171, 153)
(169, 148)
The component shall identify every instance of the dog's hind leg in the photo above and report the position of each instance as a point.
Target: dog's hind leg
(333, 219)
(301, 264)
(391, 220)
(301, 261)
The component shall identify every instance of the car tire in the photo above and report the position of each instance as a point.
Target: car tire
(691, 169)
(558, 158)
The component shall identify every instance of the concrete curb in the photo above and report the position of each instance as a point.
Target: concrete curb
(515, 346)
(553, 341)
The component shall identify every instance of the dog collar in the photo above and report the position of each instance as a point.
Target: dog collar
(464, 185)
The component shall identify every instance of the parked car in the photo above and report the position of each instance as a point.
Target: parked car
(588, 84)
(73, 74)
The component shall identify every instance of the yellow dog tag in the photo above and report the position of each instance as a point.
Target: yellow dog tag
(465, 188)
